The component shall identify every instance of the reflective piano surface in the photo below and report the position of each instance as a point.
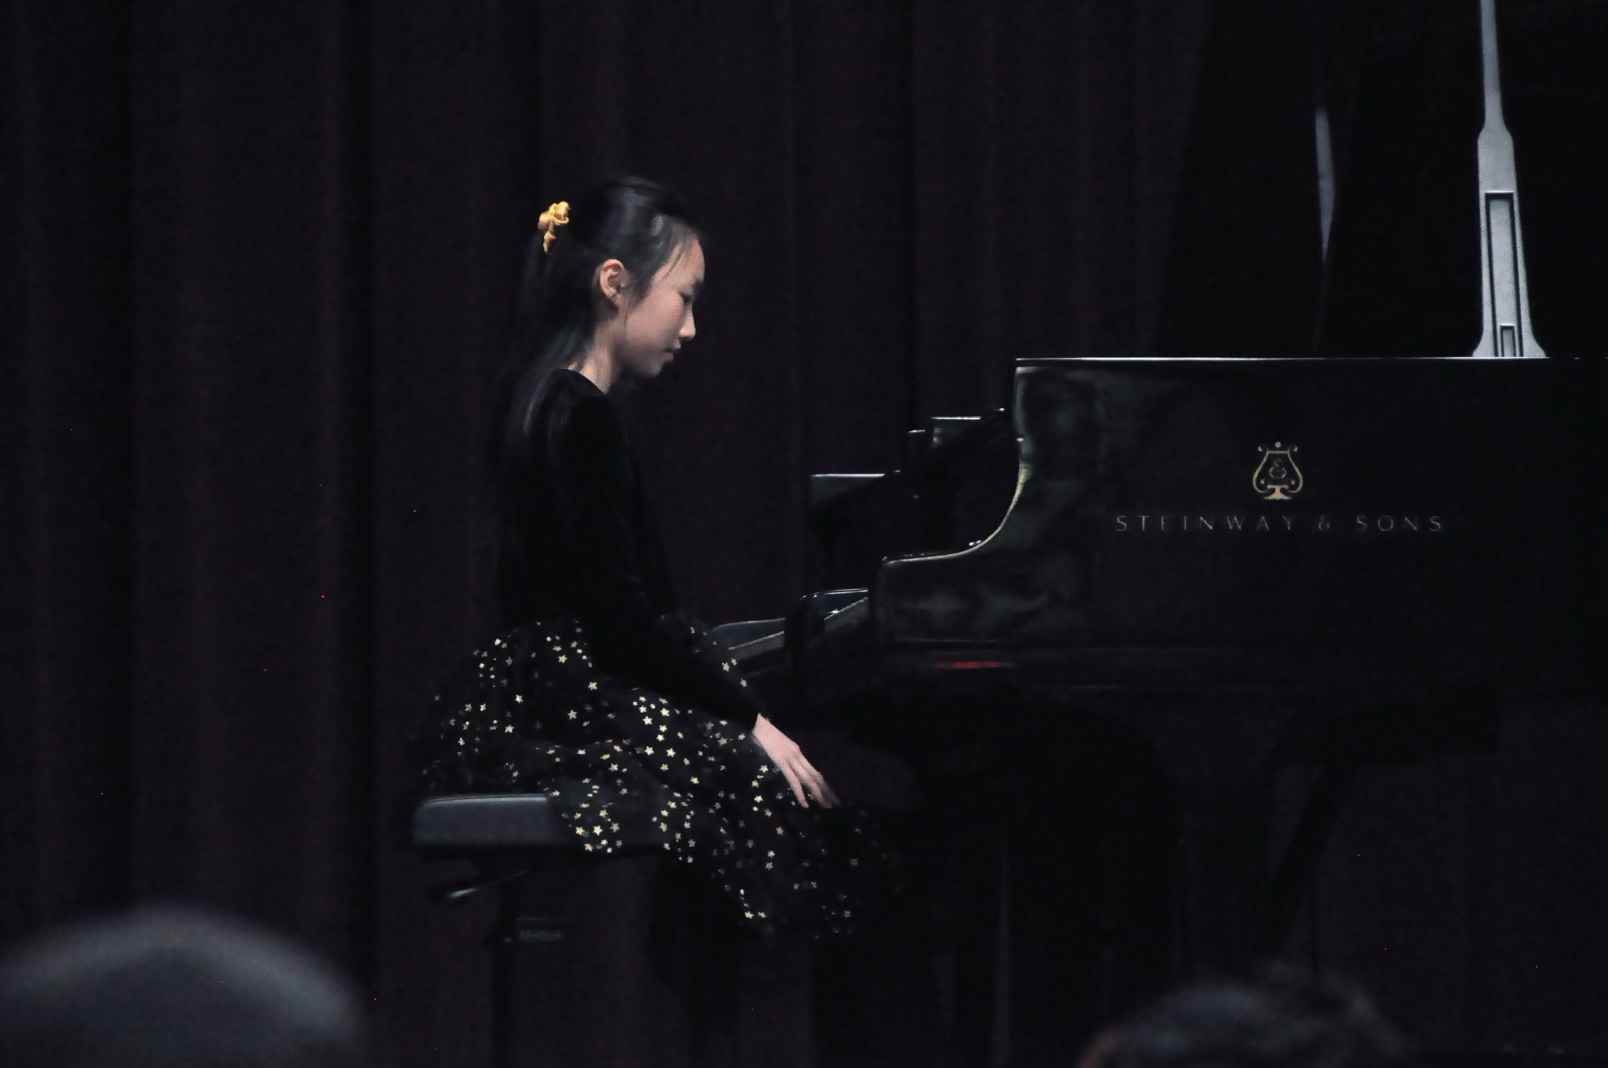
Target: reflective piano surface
(1237, 564)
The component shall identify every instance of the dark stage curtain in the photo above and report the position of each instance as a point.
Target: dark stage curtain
(257, 271)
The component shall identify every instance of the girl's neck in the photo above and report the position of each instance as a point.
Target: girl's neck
(597, 364)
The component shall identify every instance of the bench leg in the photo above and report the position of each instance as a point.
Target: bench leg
(533, 963)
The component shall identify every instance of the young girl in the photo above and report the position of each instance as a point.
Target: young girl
(597, 692)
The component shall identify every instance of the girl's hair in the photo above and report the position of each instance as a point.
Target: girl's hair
(634, 220)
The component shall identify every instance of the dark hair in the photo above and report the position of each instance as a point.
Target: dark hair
(1289, 1018)
(634, 220)
(179, 987)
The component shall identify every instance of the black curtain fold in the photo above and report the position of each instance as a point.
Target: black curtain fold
(251, 694)
(455, 98)
(66, 417)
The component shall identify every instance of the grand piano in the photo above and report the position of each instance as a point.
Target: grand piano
(1241, 563)
(1208, 571)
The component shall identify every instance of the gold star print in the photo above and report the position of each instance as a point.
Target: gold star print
(573, 713)
(591, 686)
(725, 667)
(563, 659)
(519, 698)
(508, 729)
(648, 720)
(667, 752)
(649, 750)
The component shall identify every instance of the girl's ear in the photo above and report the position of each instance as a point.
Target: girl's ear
(612, 281)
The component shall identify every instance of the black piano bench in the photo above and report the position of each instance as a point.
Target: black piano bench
(521, 847)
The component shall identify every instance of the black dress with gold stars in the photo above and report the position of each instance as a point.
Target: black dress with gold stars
(626, 714)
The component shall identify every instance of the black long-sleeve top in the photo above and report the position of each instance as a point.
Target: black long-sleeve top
(578, 538)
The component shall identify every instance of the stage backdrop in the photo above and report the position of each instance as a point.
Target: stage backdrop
(257, 269)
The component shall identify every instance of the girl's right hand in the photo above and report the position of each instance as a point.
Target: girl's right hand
(786, 755)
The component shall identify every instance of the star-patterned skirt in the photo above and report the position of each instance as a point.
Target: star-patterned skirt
(531, 713)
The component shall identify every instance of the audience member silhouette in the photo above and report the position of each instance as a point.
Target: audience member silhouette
(175, 988)
(1289, 1018)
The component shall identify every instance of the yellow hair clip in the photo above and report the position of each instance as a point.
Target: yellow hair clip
(555, 216)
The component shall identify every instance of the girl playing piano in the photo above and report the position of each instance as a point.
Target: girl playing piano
(598, 692)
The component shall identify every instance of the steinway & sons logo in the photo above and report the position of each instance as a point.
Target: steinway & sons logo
(1277, 478)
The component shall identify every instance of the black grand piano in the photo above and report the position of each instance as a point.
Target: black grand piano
(1200, 572)
(1235, 565)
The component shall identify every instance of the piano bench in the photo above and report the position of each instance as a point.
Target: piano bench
(523, 849)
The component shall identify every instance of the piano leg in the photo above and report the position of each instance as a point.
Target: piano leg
(1296, 870)
(981, 990)
(1056, 888)
(1057, 930)
(1222, 895)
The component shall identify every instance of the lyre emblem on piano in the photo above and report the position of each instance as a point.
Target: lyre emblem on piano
(1277, 478)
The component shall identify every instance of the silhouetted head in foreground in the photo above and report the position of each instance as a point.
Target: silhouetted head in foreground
(174, 988)
(1290, 1018)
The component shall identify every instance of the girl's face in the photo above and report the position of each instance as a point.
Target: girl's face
(654, 325)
